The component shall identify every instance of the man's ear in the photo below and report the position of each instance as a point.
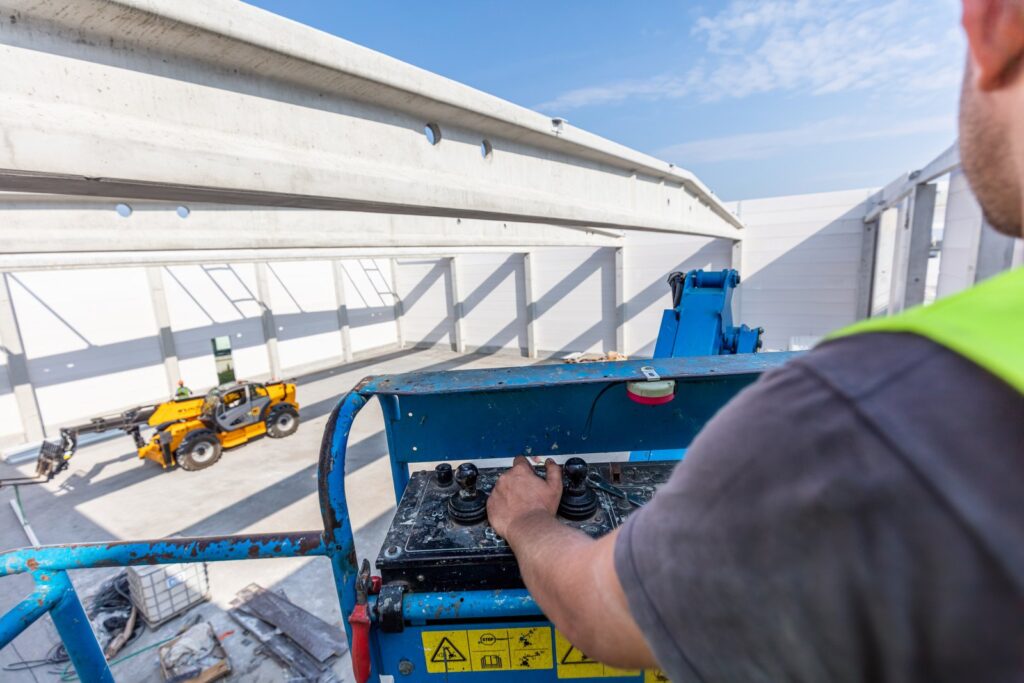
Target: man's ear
(995, 34)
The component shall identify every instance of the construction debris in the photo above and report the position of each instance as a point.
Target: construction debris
(196, 656)
(580, 357)
(302, 642)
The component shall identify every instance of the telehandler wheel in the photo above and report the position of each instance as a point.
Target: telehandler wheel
(282, 422)
(198, 452)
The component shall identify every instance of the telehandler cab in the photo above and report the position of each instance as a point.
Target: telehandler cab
(190, 432)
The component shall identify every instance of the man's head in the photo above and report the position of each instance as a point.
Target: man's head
(992, 110)
(181, 382)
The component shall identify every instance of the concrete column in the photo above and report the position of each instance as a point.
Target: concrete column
(17, 366)
(343, 322)
(267, 318)
(913, 244)
(455, 304)
(881, 277)
(399, 308)
(995, 253)
(620, 300)
(866, 269)
(960, 239)
(531, 306)
(165, 335)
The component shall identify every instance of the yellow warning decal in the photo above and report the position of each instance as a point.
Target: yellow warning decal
(493, 649)
(574, 663)
(655, 676)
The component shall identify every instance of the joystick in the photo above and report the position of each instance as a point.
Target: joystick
(467, 505)
(443, 474)
(578, 500)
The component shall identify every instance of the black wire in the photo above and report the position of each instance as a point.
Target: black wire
(56, 655)
(590, 415)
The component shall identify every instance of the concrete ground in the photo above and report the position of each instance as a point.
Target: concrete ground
(265, 486)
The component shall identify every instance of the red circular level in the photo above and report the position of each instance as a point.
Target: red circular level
(650, 400)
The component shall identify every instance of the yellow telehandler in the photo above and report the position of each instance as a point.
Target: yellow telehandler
(189, 432)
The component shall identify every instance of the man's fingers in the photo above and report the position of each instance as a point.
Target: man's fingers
(554, 474)
(521, 461)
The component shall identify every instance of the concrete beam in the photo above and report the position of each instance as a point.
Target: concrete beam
(895, 192)
(913, 245)
(17, 365)
(267, 319)
(165, 335)
(68, 230)
(218, 101)
(343, 319)
(62, 261)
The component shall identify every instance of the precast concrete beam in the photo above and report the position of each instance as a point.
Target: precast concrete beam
(912, 249)
(217, 101)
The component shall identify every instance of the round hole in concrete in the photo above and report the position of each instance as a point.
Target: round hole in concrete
(123, 210)
(433, 133)
(486, 149)
(183, 211)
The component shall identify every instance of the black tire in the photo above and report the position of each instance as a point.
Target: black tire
(282, 421)
(200, 450)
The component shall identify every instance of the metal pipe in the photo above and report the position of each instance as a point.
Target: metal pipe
(162, 551)
(24, 614)
(424, 607)
(76, 632)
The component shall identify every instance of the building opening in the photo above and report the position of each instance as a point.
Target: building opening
(222, 358)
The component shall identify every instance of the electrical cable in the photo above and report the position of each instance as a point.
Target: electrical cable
(590, 414)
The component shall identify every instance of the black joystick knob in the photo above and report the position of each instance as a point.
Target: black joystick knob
(443, 474)
(578, 500)
(467, 505)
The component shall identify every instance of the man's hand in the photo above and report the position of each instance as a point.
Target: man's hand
(520, 495)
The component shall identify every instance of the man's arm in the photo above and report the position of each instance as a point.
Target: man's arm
(570, 575)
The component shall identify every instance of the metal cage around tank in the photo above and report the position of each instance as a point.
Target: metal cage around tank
(456, 415)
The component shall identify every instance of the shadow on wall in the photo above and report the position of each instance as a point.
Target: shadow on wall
(802, 265)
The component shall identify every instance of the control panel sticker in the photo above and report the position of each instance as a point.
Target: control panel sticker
(495, 649)
(574, 663)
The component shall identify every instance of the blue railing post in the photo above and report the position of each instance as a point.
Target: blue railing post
(76, 631)
(338, 534)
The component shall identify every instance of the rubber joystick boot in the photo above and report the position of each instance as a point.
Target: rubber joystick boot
(578, 500)
(467, 505)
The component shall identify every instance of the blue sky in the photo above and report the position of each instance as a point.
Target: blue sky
(757, 97)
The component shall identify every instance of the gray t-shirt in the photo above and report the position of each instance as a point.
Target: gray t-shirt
(857, 515)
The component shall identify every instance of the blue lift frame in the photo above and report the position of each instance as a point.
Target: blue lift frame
(458, 415)
(700, 324)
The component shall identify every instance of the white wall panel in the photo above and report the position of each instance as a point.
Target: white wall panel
(370, 303)
(575, 297)
(305, 312)
(210, 301)
(423, 288)
(493, 301)
(800, 264)
(10, 418)
(649, 259)
(90, 340)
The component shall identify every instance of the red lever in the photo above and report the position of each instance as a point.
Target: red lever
(360, 620)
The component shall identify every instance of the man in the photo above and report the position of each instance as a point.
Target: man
(854, 516)
(182, 391)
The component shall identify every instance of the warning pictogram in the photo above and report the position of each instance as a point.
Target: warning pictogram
(447, 652)
(574, 663)
(574, 656)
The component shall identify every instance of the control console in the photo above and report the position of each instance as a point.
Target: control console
(440, 540)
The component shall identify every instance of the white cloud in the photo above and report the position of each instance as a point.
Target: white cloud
(772, 143)
(809, 46)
